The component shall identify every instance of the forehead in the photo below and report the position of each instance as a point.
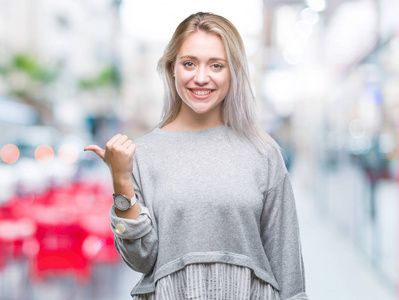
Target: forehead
(202, 45)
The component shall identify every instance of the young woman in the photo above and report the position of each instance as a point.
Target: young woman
(203, 203)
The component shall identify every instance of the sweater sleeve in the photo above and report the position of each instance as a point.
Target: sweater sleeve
(136, 240)
(281, 239)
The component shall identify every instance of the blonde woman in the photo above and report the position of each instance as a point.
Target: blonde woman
(203, 203)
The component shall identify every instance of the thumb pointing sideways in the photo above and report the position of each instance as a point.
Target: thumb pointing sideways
(96, 149)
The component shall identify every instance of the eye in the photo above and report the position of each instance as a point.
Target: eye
(217, 66)
(188, 64)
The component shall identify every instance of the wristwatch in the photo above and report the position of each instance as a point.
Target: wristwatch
(124, 203)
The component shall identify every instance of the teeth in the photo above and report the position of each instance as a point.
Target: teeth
(202, 92)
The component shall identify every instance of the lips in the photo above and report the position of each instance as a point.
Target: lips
(201, 94)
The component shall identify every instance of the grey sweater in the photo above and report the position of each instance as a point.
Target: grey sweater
(207, 196)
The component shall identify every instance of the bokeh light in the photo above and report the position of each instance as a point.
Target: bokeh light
(317, 5)
(310, 15)
(9, 153)
(44, 154)
(92, 245)
(68, 153)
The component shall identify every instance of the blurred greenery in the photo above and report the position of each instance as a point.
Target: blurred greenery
(107, 78)
(29, 65)
(33, 68)
(27, 78)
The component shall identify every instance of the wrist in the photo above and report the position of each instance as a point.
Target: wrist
(121, 178)
(123, 203)
(124, 186)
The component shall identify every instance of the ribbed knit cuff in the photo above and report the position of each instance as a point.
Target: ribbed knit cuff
(129, 228)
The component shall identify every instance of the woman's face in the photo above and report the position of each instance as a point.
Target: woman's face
(202, 75)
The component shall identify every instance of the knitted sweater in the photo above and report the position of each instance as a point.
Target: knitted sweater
(208, 196)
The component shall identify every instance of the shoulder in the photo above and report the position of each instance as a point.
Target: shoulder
(146, 142)
(145, 138)
(273, 163)
(267, 154)
(274, 156)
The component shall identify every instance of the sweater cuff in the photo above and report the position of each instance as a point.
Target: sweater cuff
(129, 228)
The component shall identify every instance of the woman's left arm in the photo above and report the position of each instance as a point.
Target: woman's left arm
(281, 239)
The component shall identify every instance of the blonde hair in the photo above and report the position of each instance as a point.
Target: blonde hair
(239, 106)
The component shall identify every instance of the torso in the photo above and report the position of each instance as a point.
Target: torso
(172, 126)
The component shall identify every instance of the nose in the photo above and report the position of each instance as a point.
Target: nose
(201, 76)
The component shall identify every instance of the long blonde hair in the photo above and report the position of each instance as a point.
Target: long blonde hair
(239, 106)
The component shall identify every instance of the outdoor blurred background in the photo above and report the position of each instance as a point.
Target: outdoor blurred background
(76, 72)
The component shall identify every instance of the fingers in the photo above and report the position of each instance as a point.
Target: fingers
(121, 140)
(117, 140)
(113, 139)
(99, 151)
(127, 143)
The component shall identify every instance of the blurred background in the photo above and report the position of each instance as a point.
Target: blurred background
(72, 73)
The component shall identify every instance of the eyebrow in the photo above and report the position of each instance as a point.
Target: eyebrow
(194, 58)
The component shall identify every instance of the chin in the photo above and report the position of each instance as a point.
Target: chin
(201, 109)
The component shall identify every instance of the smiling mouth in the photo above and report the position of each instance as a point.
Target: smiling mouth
(201, 92)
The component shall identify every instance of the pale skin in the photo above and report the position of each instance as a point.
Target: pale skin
(202, 80)
(118, 156)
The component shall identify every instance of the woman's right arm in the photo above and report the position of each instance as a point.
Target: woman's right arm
(124, 186)
(134, 233)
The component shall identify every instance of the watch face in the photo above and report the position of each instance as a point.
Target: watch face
(121, 202)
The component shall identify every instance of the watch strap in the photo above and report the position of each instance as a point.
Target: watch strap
(131, 200)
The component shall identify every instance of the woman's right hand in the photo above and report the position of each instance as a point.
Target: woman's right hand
(118, 155)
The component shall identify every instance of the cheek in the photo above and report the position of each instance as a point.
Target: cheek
(228, 84)
(182, 78)
(223, 78)
(180, 84)
(180, 88)
(224, 83)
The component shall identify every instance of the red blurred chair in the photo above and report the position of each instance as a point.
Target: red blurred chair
(60, 252)
(99, 246)
(70, 230)
(14, 233)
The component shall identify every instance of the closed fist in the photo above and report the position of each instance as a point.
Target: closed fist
(118, 155)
